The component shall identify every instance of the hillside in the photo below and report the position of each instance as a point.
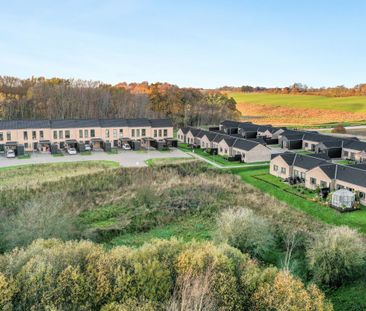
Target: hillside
(300, 110)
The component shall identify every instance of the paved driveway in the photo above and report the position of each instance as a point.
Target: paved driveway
(124, 158)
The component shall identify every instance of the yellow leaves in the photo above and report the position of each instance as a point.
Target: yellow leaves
(288, 293)
(7, 291)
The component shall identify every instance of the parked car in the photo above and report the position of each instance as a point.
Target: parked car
(71, 151)
(87, 147)
(126, 147)
(10, 154)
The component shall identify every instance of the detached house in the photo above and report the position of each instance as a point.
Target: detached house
(251, 151)
(207, 140)
(182, 133)
(354, 150)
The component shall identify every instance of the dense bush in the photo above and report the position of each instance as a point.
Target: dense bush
(246, 231)
(336, 255)
(54, 275)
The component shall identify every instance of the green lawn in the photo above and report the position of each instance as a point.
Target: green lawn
(355, 219)
(215, 158)
(24, 156)
(187, 228)
(351, 104)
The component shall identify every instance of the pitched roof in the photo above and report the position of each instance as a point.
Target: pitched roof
(138, 122)
(332, 144)
(329, 169)
(23, 124)
(291, 137)
(229, 140)
(72, 123)
(218, 138)
(244, 144)
(306, 161)
(161, 123)
(351, 175)
(229, 123)
(185, 130)
(113, 122)
(288, 157)
(210, 135)
(355, 145)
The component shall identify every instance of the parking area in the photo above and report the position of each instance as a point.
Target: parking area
(124, 158)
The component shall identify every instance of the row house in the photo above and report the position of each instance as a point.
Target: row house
(40, 134)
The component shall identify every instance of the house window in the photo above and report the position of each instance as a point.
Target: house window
(160, 133)
(165, 133)
(41, 134)
(352, 155)
(25, 135)
(92, 133)
(115, 133)
(61, 134)
(1, 136)
(345, 153)
(302, 175)
(323, 184)
(8, 136)
(155, 133)
(107, 133)
(313, 181)
(283, 170)
(296, 173)
(361, 195)
(54, 134)
(220, 149)
(34, 135)
(133, 133)
(143, 132)
(80, 133)
(26, 145)
(275, 168)
(86, 133)
(67, 134)
(120, 132)
(138, 132)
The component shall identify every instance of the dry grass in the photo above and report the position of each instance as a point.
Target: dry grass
(33, 176)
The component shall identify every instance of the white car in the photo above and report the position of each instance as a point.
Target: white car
(71, 151)
(126, 147)
(87, 147)
(10, 154)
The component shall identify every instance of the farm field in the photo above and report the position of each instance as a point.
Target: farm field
(301, 110)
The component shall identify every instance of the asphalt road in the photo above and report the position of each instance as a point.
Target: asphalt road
(124, 158)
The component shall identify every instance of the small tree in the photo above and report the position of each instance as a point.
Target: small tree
(244, 230)
(336, 255)
(340, 129)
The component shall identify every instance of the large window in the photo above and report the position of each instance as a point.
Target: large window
(86, 133)
(41, 134)
(92, 133)
(80, 133)
(1, 136)
(159, 133)
(107, 133)
(67, 134)
(120, 132)
(275, 168)
(61, 134)
(114, 133)
(165, 133)
(313, 181)
(143, 132)
(8, 135)
(34, 135)
(323, 184)
(133, 133)
(54, 134)
(25, 135)
(283, 170)
(155, 133)
(138, 132)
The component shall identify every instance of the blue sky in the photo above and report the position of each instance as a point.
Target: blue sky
(189, 43)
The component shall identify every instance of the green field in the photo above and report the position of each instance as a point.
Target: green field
(350, 104)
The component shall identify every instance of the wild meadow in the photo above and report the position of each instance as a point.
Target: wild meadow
(200, 238)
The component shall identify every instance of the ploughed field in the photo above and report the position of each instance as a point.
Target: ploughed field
(300, 110)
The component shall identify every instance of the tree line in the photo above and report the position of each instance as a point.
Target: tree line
(302, 89)
(41, 98)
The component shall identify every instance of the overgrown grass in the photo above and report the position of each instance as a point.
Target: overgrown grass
(168, 161)
(34, 175)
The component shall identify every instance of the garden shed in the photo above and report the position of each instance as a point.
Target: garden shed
(343, 199)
